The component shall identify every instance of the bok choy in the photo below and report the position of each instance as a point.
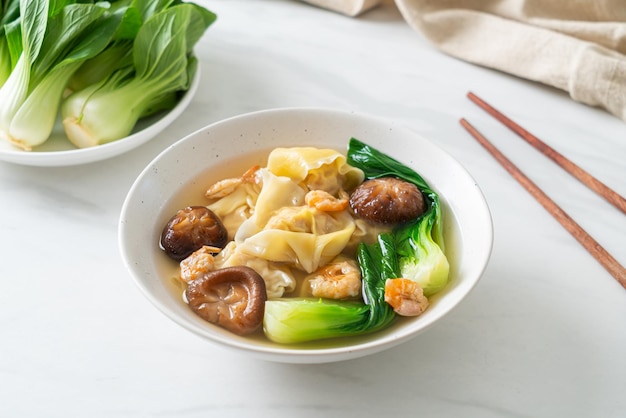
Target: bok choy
(306, 319)
(34, 19)
(54, 44)
(420, 243)
(49, 49)
(163, 65)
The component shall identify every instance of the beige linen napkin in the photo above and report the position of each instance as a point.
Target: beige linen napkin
(574, 45)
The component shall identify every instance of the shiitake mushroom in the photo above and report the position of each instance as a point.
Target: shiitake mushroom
(190, 229)
(231, 297)
(387, 200)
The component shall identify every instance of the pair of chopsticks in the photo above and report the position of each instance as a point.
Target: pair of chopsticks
(591, 245)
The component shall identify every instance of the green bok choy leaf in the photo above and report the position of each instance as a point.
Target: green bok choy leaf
(420, 243)
(9, 12)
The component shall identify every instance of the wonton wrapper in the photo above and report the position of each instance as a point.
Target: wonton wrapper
(234, 208)
(278, 277)
(303, 237)
(319, 169)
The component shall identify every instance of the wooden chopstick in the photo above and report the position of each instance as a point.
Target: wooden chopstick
(591, 245)
(587, 179)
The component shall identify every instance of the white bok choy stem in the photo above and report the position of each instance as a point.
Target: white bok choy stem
(30, 125)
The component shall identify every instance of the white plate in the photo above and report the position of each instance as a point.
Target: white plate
(181, 173)
(59, 151)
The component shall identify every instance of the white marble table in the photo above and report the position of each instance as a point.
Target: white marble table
(542, 335)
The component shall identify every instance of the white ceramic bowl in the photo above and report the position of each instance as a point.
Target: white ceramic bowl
(58, 151)
(181, 173)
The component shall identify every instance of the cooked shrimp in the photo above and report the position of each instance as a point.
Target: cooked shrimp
(340, 279)
(225, 187)
(198, 263)
(405, 296)
(325, 201)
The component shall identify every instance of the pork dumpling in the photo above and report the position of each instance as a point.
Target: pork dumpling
(303, 237)
(234, 208)
(315, 168)
(279, 279)
(277, 192)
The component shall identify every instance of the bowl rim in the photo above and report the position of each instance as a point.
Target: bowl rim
(287, 353)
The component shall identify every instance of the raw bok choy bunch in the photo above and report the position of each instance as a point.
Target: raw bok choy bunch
(413, 250)
(45, 44)
(162, 66)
